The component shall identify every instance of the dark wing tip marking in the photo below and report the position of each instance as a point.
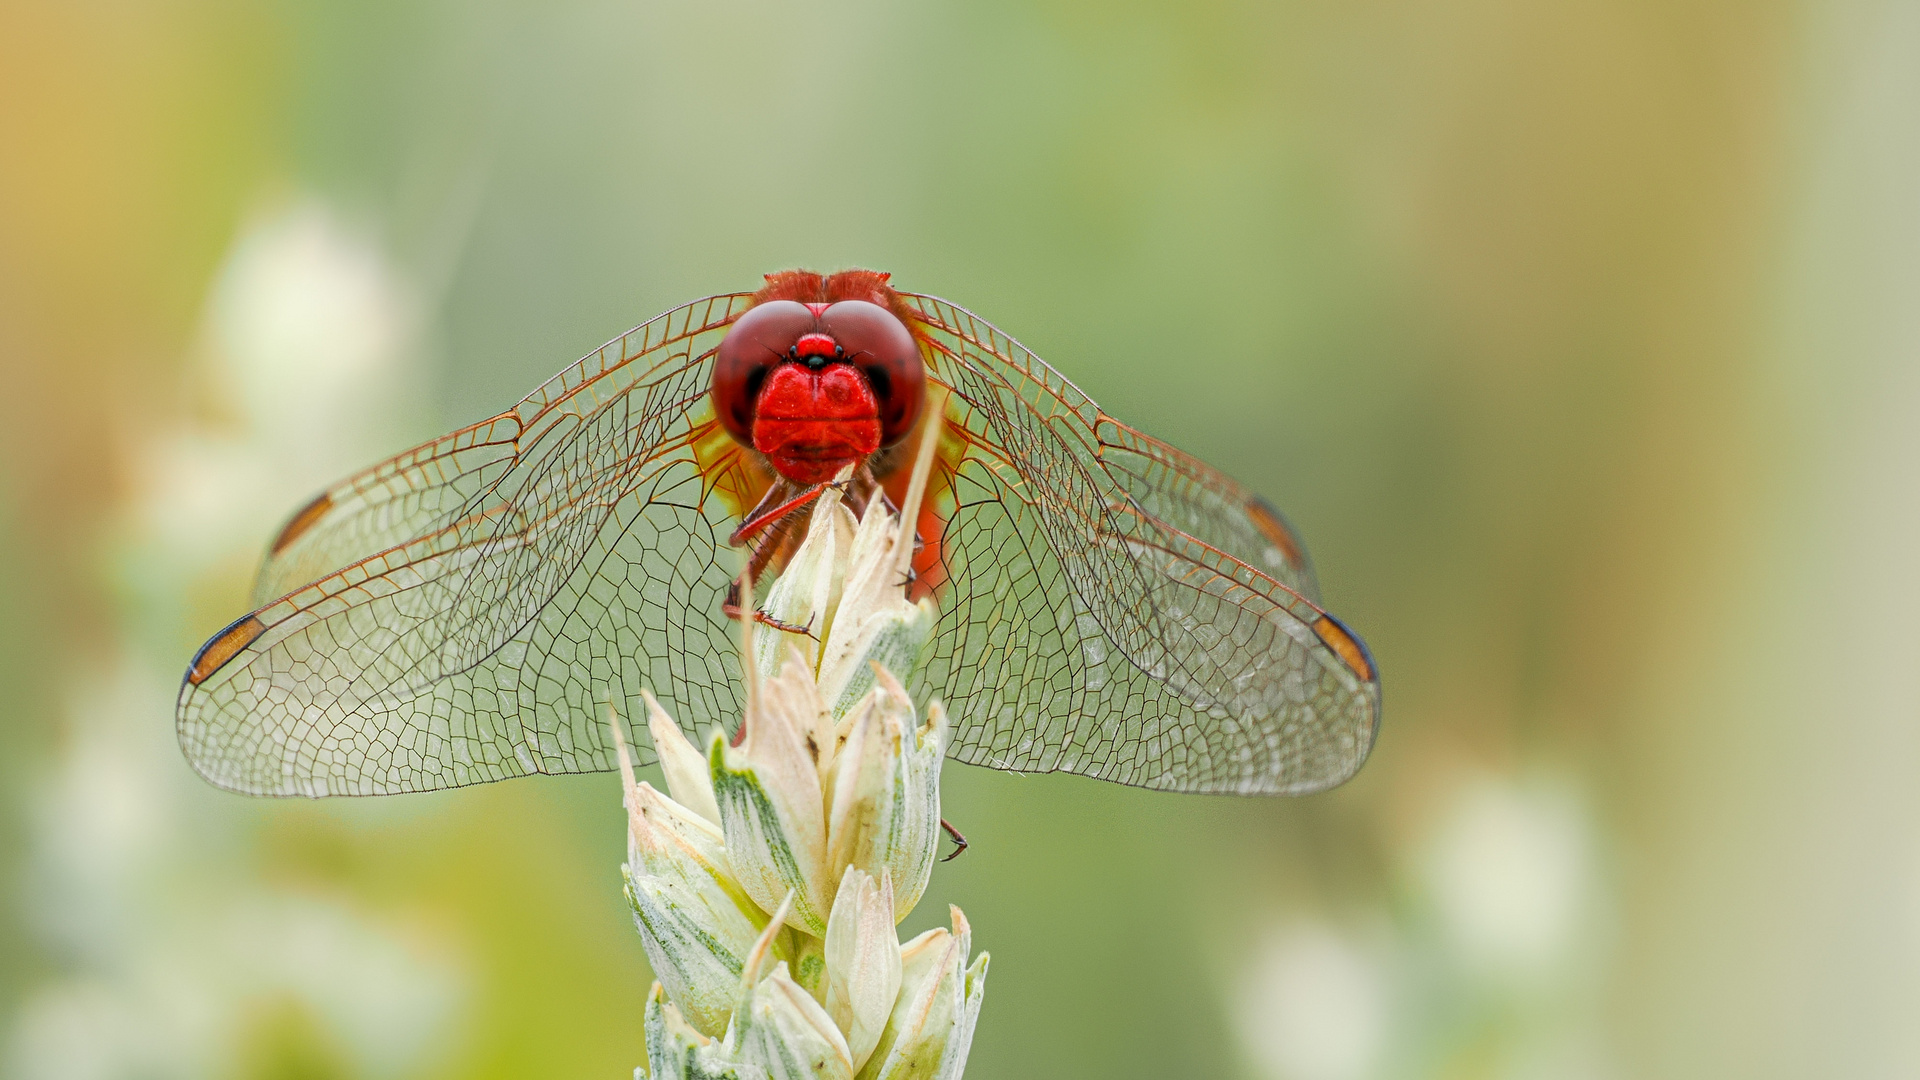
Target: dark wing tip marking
(223, 647)
(1274, 527)
(300, 523)
(1347, 646)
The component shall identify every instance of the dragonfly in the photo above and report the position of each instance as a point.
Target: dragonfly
(466, 611)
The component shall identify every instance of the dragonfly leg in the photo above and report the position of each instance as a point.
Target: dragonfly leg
(761, 618)
(919, 545)
(959, 841)
(777, 492)
(731, 608)
(773, 542)
(860, 490)
(780, 501)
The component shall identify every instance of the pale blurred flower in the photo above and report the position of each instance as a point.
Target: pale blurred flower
(1508, 869)
(168, 946)
(98, 824)
(201, 500)
(1313, 1005)
(308, 318)
(305, 341)
(171, 953)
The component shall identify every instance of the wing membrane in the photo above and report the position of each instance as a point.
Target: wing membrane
(500, 585)
(1083, 632)
(1199, 500)
(463, 612)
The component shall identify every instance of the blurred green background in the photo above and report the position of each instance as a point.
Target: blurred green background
(1581, 341)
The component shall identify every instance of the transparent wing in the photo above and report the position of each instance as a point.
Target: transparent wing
(1114, 608)
(500, 586)
(1110, 606)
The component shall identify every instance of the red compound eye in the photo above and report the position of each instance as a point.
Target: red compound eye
(881, 346)
(755, 343)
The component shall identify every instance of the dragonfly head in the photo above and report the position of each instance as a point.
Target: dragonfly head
(820, 372)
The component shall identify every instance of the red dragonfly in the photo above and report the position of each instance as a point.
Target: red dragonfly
(464, 612)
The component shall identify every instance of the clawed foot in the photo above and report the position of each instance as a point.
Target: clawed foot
(732, 610)
(959, 841)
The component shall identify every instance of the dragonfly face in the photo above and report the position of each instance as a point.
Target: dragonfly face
(465, 611)
(815, 383)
